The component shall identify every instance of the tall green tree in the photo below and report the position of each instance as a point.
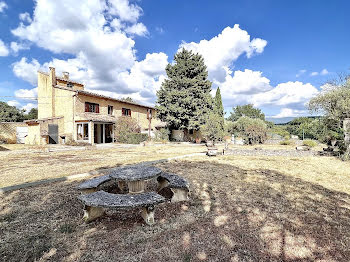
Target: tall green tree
(32, 114)
(246, 110)
(184, 99)
(219, 108)
(10, 113)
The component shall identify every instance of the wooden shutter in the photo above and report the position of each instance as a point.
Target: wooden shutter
(123, 111)
(129, 112)
(97, 106)
(86, 107)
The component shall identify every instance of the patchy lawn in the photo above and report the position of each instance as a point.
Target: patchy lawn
(241, 209)
(21, 166)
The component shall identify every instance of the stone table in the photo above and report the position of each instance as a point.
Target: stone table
(135, 177)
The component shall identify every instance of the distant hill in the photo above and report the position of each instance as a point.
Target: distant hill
(282, 120)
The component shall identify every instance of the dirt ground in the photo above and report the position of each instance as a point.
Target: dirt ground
(239, 211)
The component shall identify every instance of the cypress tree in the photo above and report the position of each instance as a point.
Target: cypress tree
(219, 108)
(184, 99)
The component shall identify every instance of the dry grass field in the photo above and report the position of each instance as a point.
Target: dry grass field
(20, 166)
(242, 208)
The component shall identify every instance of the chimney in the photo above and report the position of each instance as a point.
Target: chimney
(66, 75)
(53, 75)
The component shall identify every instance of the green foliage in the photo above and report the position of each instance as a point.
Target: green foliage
(162, 135)
(333, 102)
(246, 110)
(125, 130)
(128, 99)
(184, 98)
(10, 113)
(286, 142)
(281, 131)
(253, 130)
(309, 143)
(132, 138)
(212, 129)
(32, 114)
(219, 107)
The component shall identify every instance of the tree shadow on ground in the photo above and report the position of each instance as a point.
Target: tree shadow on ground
(233, 215)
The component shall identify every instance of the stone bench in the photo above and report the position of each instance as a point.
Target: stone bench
(178, 185)
(91, 185)
(97, 201)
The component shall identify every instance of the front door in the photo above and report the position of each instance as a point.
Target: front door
(53, 134)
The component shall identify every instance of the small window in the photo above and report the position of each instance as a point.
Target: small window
(126, 112)
(83, 132)
(191, 131)
(110, 110)
(149, 113)
(91, 107)
(70, 85)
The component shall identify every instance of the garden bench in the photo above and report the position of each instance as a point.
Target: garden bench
(97, 201)
(91, 185)
(178, 186)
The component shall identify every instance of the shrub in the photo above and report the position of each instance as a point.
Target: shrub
(253, 131)
(309, 143)
(132, 138)
(162, 135)
(212, 129)
(125, 128)
(286, 143)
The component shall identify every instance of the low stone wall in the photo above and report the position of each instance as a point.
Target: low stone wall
(8, 131)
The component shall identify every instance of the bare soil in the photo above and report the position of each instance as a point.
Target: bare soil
(235, 214)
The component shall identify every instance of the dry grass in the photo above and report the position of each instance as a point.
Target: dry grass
(329, 172)
(26, 166)
(235, 213)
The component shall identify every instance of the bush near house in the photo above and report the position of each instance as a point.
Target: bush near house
(162, 135)
(212, 130)
(127, 130)
(133, 138)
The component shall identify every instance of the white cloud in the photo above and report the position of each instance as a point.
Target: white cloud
(137, 29)
(29, 106)
(3, 49)
(27, 71)
(294, 94)
(16, 47)
(221, 51)
(25, 17)
(322, 73)
(3, 6)
(239, 87)
(103, 56)
(27, 93)
(125, 10)
(13, 103)
(300, 73)
(289, 112)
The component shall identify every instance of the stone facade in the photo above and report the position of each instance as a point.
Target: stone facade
(62, 103)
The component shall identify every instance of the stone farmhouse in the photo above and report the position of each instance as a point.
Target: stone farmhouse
(66, 112)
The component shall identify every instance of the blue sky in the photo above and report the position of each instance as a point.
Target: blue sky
(274, 54)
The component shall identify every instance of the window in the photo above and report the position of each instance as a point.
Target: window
(149, 113)
(191, 131)
(70, 85)
(126, 112)
(110, 110)
(83, 131)
(91, 107)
